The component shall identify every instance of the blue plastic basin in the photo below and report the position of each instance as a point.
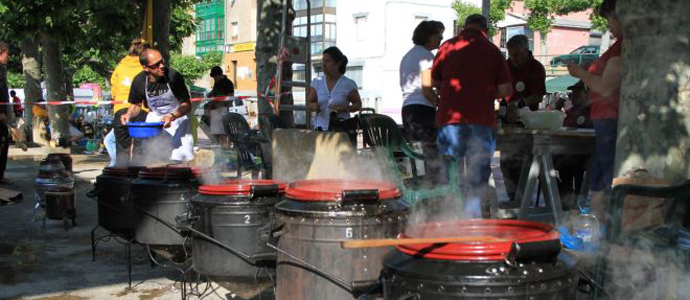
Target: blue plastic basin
(144, 130)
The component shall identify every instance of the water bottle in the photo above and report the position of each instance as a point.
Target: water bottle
(586, 226)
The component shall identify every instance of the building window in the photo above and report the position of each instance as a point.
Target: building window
(355, 73)
(503, 37)
(361, 25)
(235, 30)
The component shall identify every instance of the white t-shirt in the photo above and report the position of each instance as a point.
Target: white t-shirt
(337, 96)
(413, 63)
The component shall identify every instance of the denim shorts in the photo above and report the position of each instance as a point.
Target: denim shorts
(601, 167)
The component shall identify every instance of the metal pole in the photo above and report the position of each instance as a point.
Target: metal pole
(485, 8)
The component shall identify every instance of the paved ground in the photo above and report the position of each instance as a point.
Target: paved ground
(53, 264)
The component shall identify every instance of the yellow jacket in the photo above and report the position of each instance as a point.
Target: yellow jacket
(121, 80)
(39, 111)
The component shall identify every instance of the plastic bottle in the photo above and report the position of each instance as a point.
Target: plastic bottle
(586, 226)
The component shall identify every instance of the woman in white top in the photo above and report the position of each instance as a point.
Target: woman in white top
(419, 98)
(333, 94)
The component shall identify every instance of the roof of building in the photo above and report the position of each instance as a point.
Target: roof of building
(515, 19)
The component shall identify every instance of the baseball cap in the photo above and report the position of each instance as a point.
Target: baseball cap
(215, 71)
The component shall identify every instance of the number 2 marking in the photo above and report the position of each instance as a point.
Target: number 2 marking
(246, 219)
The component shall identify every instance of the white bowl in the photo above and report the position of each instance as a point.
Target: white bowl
(545, 120)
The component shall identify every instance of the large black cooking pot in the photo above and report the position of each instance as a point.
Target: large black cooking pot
(158, 196)
(112, 190)
(236, 214)
(524, 266)
(313, 220)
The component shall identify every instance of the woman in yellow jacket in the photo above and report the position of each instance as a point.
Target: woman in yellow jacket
(118, 142)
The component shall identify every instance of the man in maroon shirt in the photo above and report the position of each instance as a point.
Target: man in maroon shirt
(470, 72)
(529, 88)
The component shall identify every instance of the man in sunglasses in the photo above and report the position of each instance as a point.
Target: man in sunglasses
(163, 91)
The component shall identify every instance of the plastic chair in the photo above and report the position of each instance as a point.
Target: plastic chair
(656, 239)
(383, 135)
(245, 144)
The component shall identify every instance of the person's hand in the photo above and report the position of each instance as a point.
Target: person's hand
(167, 119)
(313, 106)
(124, 119)
(511, 113)
(575, 70)
(338, 108)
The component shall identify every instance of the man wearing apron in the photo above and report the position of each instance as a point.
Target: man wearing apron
(164, 92)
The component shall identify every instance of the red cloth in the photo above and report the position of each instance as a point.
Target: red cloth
(18, 110)
(533, 79)
(605, 107)
(468, 69)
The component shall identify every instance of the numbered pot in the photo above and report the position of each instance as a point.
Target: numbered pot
(231, 225)
(158, 196)
(523, 264)
(111, 191)
(313, 220)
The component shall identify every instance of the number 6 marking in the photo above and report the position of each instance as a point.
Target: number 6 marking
(246, 219)
(348, 232)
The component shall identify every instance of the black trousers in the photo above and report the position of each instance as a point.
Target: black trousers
(123, 142)
(4, 147)
(419, 124)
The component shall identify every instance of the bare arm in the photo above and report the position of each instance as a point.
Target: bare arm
(606, 84)
(132, 111)
(428, 87)
(312, 100)
(503, 90)
(355, 101)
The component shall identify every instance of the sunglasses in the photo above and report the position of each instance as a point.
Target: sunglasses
(156, 65)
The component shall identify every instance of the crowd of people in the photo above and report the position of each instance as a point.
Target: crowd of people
(448, 104)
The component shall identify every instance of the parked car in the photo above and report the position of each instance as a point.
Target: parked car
(583, 54)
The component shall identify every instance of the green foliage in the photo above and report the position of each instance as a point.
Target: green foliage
(182, 24)
(86, 75)
(15, 80)
(192, 67)
(543, 12)
(464, 10)
(496, 12)
(598, 22)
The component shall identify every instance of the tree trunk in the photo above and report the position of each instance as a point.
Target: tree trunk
(32, 80)
(543, 51)
(654, 119)
(162, 12)
(268, 34)
(55, 82)
(288, 116)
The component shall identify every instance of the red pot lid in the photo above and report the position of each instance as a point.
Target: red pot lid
(238, 187)
(509, 230)
(181, 171)
(332, 189)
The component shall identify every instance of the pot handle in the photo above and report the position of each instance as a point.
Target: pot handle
(352, 197)
(414, 296)
(264, 190)
(184, 221)
(93, 193)
(366, 289)
(533, 251)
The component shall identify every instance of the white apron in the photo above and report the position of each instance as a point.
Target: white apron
(181, 142)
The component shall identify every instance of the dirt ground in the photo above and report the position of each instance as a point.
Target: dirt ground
(53, 264)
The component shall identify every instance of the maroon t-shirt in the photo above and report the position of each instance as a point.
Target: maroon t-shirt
(528, 80)
(468, 69)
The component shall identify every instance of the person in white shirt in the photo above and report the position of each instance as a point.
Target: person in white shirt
(333, 96)
(419, 97)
